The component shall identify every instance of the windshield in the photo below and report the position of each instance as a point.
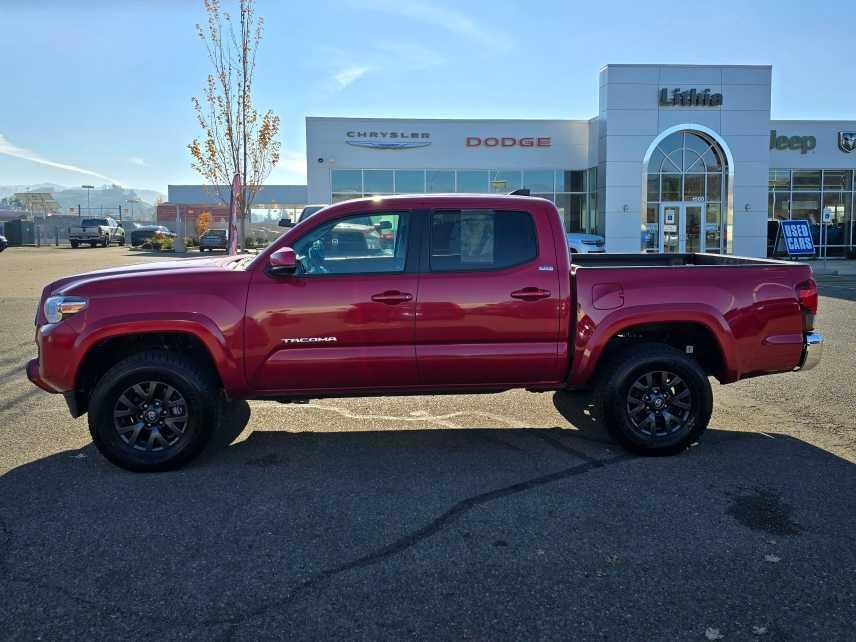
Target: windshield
(93, 222)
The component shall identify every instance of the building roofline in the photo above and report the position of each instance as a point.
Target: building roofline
(451, 120)
(711, 66)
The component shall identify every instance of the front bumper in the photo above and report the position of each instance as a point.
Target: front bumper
(34, 376)
(811, 352)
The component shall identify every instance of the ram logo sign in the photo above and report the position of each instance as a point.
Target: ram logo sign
(847, 141)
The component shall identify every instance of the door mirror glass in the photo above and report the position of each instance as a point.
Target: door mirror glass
(283, 261)
(284, 222)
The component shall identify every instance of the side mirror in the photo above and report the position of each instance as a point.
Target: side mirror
(385, 225)
(284, 222)
(283, 261)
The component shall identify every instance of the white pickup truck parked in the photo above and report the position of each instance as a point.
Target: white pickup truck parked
(96, 231)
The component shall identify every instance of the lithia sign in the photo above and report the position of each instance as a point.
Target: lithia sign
(689, 98)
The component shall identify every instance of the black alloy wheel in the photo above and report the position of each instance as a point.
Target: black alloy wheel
(151, 416)
(659, 403)
(655, 399)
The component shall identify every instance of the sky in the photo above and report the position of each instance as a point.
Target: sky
(99, 91)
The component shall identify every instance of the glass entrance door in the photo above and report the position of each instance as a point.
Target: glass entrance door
(681, 226)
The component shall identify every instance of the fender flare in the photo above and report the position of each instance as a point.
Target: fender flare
(228, 365)
(588, 346)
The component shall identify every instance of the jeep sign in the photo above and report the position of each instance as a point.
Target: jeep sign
(803, 143)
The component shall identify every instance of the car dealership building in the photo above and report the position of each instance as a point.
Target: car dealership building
(678, 158)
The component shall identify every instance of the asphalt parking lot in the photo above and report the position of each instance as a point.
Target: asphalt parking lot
(385, 519)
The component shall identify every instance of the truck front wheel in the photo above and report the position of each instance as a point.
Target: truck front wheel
(655, 399)
(153, 411)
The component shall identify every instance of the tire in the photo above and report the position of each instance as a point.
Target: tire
(122, 240)
(105, 241)
(170, 441)
(633, 419)
(74, 244)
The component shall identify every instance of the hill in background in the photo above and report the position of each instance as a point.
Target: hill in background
(105, 199)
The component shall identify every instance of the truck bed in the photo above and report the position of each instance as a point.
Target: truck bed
(644, 260)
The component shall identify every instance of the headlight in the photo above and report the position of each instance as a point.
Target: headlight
(58, 308)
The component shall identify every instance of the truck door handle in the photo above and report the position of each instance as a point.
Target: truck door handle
(392, 297)
(530, 294)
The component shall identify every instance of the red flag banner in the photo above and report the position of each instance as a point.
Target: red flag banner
(233, 213)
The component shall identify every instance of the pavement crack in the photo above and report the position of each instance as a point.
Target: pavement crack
(414, 538)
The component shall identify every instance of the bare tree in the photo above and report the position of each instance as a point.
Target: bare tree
(235, 137)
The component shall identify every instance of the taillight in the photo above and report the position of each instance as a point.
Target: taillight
(807, 295)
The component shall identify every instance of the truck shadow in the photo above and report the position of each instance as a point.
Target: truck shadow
(291, 529)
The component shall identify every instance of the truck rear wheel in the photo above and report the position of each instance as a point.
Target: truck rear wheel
(74, 244)
(153, 411)
(655, 399)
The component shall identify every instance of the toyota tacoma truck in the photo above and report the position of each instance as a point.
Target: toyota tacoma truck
(416, 295)
(96, 231)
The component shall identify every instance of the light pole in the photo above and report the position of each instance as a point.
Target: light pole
(88, 189)
(132, 201)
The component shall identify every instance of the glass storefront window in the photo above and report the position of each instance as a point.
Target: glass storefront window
(653, 187)
(378, 181)
(806, 206)
(713, 228)
(779, 205)
(472, 181)
(571, 181)
(694, 187)
(806, 179)
(651, 228)
(440, 181)
(839, 179)
(571, 208)
(503, 182)
(838, 231)
(347, 181)
(670, 187)
(714, 187)
(539, 180)
(780, 179)
(409, 181)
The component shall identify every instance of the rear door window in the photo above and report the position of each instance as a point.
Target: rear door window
(466, 240)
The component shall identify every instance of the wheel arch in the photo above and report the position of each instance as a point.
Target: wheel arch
(103, 349)
(712, 342)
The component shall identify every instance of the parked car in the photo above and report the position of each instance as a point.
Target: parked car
(308, 211)
(305, 213)
(3, 243)
(475, 294)
(96, 231)
(146, 233)
(581, 243)
(212, 240)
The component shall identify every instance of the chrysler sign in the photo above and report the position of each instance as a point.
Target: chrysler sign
(387, 139)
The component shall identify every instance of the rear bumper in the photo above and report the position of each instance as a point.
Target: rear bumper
(812, 351)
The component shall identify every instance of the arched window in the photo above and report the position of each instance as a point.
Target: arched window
(687, 166)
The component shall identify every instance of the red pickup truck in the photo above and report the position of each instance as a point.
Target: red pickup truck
(423, 294)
